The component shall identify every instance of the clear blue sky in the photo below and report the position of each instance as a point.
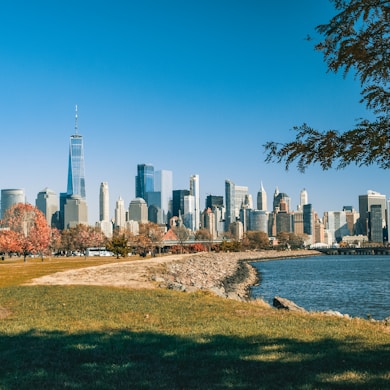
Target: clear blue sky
(196, 87)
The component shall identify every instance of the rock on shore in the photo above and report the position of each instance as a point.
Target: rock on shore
(228, 275)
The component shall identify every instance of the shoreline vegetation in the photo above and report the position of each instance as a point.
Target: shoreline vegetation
(99, 323)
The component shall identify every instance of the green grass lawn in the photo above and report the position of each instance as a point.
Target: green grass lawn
(87, 337)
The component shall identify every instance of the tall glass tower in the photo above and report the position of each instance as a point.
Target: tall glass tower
(144, 181)
(76, 174)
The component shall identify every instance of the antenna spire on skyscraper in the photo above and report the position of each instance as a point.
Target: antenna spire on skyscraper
(76, 126)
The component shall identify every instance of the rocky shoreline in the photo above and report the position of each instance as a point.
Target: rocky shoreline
(228, 275)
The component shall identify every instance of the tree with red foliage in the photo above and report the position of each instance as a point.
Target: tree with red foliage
(25, 230)
(81, 237)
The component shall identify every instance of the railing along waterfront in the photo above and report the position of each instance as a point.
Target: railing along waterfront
(356, 251)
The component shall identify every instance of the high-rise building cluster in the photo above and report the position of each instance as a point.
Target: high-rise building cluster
(232, 215)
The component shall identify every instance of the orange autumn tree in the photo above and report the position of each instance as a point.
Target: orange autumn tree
(24, 230)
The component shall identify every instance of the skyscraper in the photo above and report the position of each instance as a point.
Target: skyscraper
(376, 223)
(235, 197)
(281, 196)
(104, 202)
(365, 203)
(214, 201)
(144, 181)
(308, 219)
(336, 226)
(76, 174)
(138, 210)
(104, 210)
(262, 199)
(194, 191)
(163, 184)
(178, 201)
(303, 199)
(120, 213)
(75, 211)
(47, 202)
(189, 212)
(9, 197)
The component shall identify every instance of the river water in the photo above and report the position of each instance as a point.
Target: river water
(354, 285)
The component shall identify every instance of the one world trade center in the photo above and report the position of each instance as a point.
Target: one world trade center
(76, 174)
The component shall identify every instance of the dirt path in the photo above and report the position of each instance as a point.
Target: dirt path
(198, 271)
(131, 274)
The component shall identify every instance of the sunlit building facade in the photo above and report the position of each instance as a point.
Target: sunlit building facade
(10, 197)
(47, 202)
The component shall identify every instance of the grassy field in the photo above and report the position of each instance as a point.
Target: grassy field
(87, 337)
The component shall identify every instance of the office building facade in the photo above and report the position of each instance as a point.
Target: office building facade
(163, 182)
(194, 191)
(144, 181)
(104, 202)
(75, 211)
(178, 202)
(76, 171)
(372, 198)
(10, 197)
(138, 210)
(120, 214)
(262, 199)
(47, 202)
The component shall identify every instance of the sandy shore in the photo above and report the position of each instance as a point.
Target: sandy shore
(226, 274)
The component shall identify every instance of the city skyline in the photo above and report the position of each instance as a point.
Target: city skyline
(194, 88)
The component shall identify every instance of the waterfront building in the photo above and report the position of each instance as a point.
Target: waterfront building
(258, 221)
(10, 197)
(76, 174)
(377, 224)
(47, 202)
(352, 217)
(298, 222)
(284, 222)
(144, 181)
(262, 199)
(235, 197)
(336, 226)
(230, 215)
(75, 211)
(365, 202)
(138, 210)
(194, 191)
(319, 231)
(308, 219)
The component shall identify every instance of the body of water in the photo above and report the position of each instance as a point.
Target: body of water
(354, 285)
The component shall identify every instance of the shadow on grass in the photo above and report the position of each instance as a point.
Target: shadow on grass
(127, 360)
